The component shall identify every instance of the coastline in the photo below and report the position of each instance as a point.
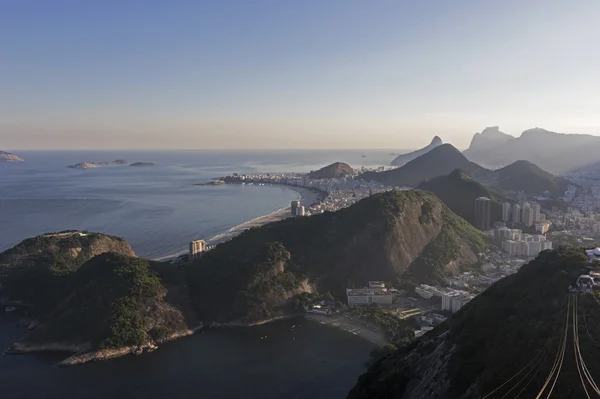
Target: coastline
(351, 325)
(307, 197)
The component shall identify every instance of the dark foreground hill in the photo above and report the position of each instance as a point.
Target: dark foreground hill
(527, 177)
(398, 236)
(81, 292)
(403, 159)
(458, 191)
(439, 161)
(333, 171)
(508, 338)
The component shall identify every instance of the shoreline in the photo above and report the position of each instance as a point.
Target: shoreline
(348, 324)
(308, 196)
(82, 354)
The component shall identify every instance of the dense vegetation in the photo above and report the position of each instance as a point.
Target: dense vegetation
(458, 191)
(252, 276)
(527, 177)
(34, 271)
(497, 334)
(333, 171)
(439, 161)
(113, 301)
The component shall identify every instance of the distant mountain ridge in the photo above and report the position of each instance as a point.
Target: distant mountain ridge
(557, 153)
(403, 159)
(440, 161)
(458, 191)
(333, 171)
(531, 179)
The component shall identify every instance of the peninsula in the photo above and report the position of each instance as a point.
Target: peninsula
(8, 157)
(91, 165)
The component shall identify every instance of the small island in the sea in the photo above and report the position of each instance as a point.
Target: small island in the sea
(8, 157)
(211, 183)
(90, 165)
(142, 164)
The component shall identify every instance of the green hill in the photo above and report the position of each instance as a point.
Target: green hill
(398, 236)
(458, 191)
(527, 177)
(31, 272)
(439, 161)
(508, 338)
(333, 171)
(86, 291)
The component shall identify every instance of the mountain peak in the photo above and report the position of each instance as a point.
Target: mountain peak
(403, 159)
(436, 141)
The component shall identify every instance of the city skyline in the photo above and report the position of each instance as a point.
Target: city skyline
(268, 74)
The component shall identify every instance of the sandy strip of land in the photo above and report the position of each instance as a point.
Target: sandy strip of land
(353, 324)
(307, 198)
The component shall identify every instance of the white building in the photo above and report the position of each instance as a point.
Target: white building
(367, 296)
(455, 300)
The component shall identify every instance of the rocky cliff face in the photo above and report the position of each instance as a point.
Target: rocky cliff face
(560, 153)
(396, 236)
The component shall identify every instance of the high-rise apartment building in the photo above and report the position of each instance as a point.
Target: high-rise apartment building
(483, 213)
(506, 208)
(197, 249)
(536, 212)
(516, 213)
(527, 218)
(295, 206)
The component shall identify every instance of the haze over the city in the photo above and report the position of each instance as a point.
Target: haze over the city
(302, 74)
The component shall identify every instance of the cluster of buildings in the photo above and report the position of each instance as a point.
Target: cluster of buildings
(375, 293)
(527, 214)
(297, 209)
(516, 243)
(339, 192)
(452, 299)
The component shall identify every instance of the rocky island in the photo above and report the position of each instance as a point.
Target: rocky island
(8, 157)
(141, 164)
(91, 165)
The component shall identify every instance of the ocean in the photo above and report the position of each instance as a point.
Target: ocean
(158, 210)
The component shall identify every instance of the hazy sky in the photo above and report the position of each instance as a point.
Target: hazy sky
(293, 73)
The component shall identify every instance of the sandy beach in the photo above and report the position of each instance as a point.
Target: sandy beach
(353, 324)
(307, 198)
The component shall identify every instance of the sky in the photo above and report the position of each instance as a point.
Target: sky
(149, 74)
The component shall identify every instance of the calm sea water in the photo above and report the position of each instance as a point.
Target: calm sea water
(306, 361)
(158, 210)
